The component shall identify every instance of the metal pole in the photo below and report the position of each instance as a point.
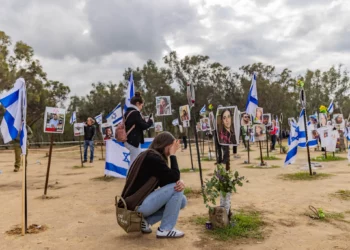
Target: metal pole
(248, 145)
(48, 166)
(307, 143)
(189, 144)
(198, 153)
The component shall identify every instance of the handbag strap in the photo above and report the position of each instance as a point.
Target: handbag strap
(124, 120)
(118, 199)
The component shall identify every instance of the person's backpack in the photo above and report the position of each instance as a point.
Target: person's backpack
(121, 134)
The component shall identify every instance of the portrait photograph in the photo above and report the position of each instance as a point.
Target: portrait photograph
(163, 105)
(228, 125)
(322, 119)
(246, 119)
(258, 118)
(259, 132)
(315, 134)
(267, 119)
(198, 127)
(78, 129)
(205, 124)
(338, 121)
(54, 120)
(158, 127)
(107, 131)
(185, 113)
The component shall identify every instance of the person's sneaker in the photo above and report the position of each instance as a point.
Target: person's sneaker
(16, 170)
(91, 161)
(162, 234)
(145, 227)
(84, 161)
(236, 157)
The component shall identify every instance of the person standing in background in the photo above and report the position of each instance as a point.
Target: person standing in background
(273, 133)
(89, 134)
(18, 150)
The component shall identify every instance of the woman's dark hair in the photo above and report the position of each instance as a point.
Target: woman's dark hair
(184, 111)
(137, 98)
(161, 141)
(165, 100)
(222, 117)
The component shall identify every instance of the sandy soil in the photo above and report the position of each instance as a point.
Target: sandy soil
(81, 213)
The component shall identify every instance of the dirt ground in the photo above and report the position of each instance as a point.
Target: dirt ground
(81, 212)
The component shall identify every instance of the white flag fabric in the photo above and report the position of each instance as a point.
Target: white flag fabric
(302, 133)
(293, 142)
(98, 119)
(14, 102)
(115, 117)
(175, 122)
(252, 102)
(130, 92)
(118, 157)
(330, 108)
(73, 118)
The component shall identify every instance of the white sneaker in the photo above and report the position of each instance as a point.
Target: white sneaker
(145, 227)
(169, 233)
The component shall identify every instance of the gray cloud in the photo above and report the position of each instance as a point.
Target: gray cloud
(85, 41)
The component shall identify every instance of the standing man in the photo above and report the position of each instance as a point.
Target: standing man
(18, 150)
(89, 134)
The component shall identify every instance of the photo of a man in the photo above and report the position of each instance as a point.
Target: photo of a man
(266, 119)
(54, 120)
(245, 119)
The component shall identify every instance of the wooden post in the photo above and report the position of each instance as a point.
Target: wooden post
(261, 155)
(81, 153)
(248, 146)
(48, 167)
(24, 197)
(267, 144)
(228, 165)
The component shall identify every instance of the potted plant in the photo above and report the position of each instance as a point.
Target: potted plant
(222, 184)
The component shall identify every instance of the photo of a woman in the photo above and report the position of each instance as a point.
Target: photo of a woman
(258, 115)
(323, 119)
(163, 105)
(184, 113)
(338, 121)
(259, 132)
(225, 125)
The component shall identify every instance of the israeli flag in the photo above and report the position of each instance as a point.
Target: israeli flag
(330, 107)
(130, 92)
(116, 116)
(203, 110)
(252, 102)
(73, 118)
(98, 119)
(293, 142)
(118, 157)
(14, 118)
(302, 132)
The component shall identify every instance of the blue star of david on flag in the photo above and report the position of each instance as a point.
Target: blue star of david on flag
(126, 157)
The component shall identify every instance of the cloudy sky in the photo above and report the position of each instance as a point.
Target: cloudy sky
(83, 41)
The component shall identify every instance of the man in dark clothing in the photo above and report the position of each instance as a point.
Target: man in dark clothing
(89, 134)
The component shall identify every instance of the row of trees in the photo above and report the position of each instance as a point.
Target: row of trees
(218, 84)
(214, 83)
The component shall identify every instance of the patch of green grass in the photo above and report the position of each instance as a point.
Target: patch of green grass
(342, 194)
(207, 159)
(80, 167)
(305, 176)
(329, 158)
(104, 178)
(192, 193)
(246, 225)
(258, 167)
(270, 158)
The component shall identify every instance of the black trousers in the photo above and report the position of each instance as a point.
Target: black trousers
(184, 139)
(273, 141)
(234, 149)
(218, 149)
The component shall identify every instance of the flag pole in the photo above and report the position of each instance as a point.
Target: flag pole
(189, 144)
(24, 199)
(303, 103)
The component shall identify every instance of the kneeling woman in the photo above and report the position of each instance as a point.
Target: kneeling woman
(149, 171)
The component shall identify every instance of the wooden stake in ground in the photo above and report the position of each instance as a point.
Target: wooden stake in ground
(48, 167)
(267, 143)
(24, 197)
(189, 144)
(261, 155)
(81, 153)
(248, 146)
